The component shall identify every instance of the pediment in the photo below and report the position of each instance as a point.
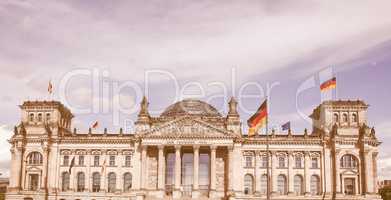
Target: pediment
(349, 172)
(188, 127)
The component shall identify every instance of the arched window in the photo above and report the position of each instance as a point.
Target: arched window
(298, 185)
(281, 162)
(281, 185)
(65, 181)
(348, 161)
(264, 184)
(336, 118)
(345, 118)
(127, 182)
(112, 182)
(354, 118)
(248, 184)
(31, 117)
(40, 117)
(315, 185)
(35, 158)
(80, 182)
(95, 182)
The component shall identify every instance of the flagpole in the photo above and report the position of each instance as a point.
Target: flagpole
(267, 151)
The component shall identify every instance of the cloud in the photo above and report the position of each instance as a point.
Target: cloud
(194, 40)
(5, 155)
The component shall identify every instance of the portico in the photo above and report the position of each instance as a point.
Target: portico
(184, 170)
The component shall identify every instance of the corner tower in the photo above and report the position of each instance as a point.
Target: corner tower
(347, 115)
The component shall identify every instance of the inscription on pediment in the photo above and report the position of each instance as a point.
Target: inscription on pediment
(188, 128)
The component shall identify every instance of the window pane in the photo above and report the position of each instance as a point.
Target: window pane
(281, 184)
(96, 160)
(112, 160)
(315, 185)
(127, 182)
(264, 184)
(81, 160)
(80, 182)
(248, 184)
(298, 185)
(95, 182)
(65, 181)
(112, 182)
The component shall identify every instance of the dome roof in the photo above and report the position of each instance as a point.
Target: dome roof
(190, 107)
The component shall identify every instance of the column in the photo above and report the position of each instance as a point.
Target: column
(307, 176)
(213, 168)
(178, 167)
(177, 193)
(161, 161)
(196, 161)
(144, 167)
(290, 173)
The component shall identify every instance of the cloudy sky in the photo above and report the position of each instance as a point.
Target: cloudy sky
(102, 58)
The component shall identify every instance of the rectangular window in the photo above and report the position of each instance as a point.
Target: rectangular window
(112, 161)
(314, 163)
(81, 160)
(66, 161)
(249, 161)
(264, 161)
(281, 162)
(96, 161)
(298, 162)
(33, 183)
(128, 160)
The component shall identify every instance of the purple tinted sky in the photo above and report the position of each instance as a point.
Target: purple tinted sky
(288, 42)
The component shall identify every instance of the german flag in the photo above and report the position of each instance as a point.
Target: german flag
(329, 84)
(50, 87)
(95, 125)
(258, 120)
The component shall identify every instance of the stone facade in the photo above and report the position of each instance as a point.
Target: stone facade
(192, 151)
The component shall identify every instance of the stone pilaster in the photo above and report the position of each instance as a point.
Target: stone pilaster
(230, 169)
(16, 165)
(291, 163)
(144, 170)
(257, 173)
(327, 170)
(273, 177)
(337, 174)
(307, 175)
(368, 172)
(45, 168)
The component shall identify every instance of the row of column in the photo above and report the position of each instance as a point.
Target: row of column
(178, 167)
